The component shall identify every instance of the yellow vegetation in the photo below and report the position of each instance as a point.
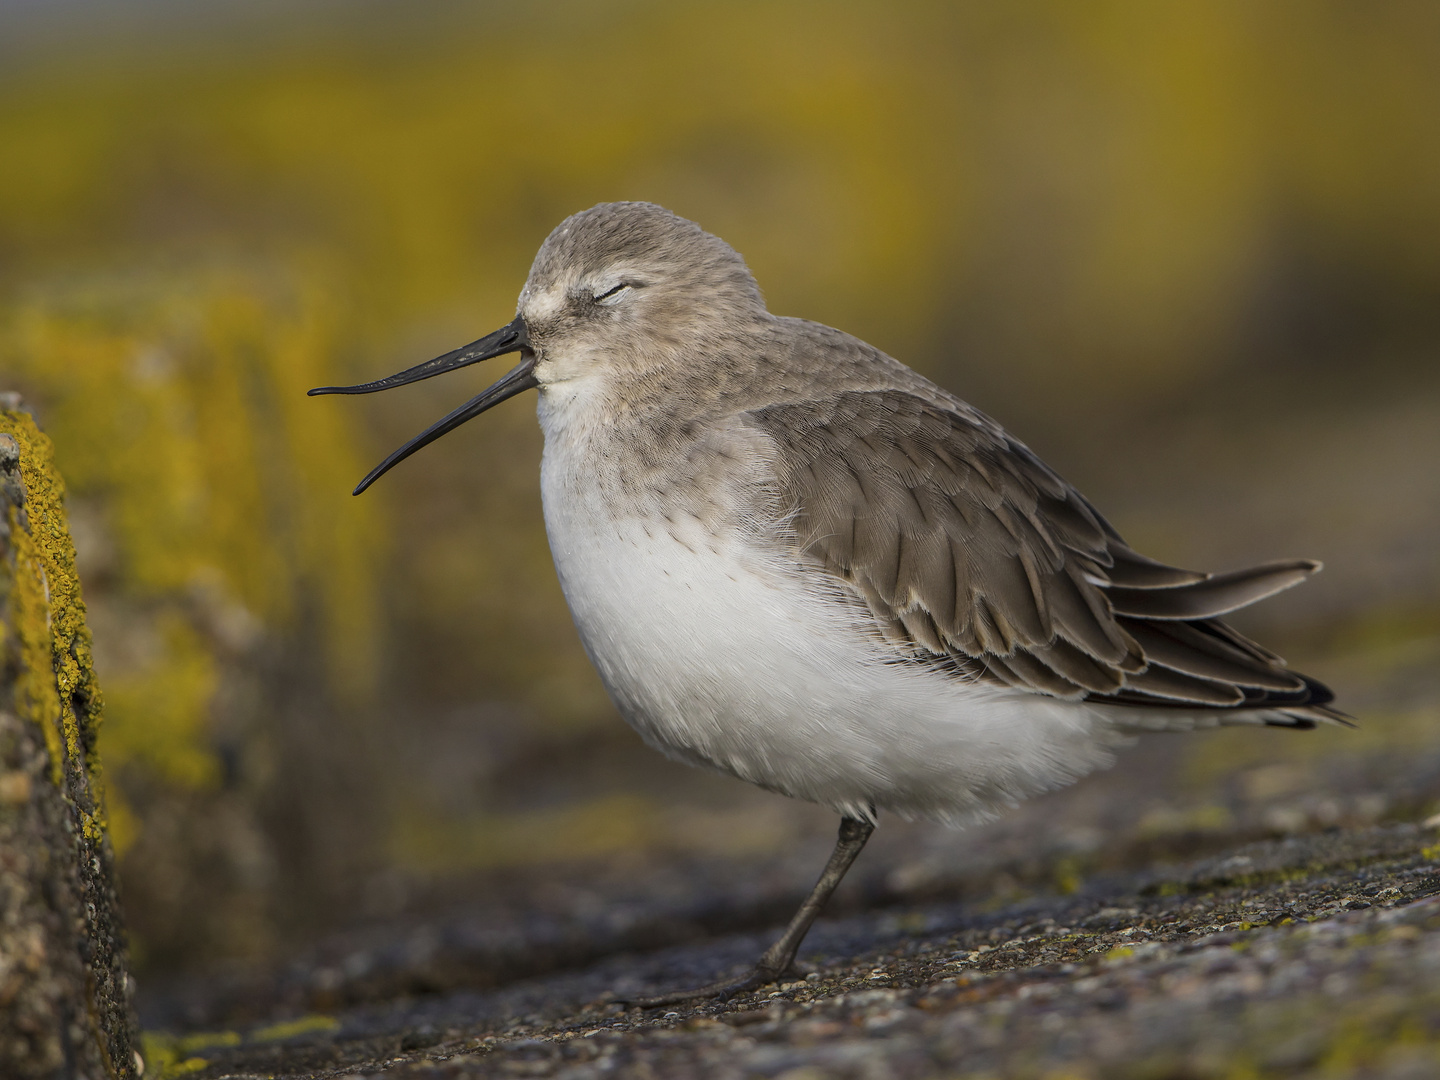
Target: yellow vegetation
(56, 687)
(179, 404)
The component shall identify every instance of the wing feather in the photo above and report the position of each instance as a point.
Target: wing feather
(1215, 595)
(1176, 645)
(970, 552)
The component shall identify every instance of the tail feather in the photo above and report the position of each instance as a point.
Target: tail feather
(1132, 570)
(1175, 645)
(1200, 666)
(1215, 595)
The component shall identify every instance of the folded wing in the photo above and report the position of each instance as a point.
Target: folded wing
(970, 551)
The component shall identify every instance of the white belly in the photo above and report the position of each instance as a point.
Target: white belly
(721, 656)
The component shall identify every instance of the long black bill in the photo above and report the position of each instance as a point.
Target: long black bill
(512, 337)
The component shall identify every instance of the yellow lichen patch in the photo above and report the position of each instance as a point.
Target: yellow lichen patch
(1068, 875)
(182, 405)
(57, 688)
(35, 695)
(157, 715)
(176, 1055)
(178, 405)
(289, 1029)
(169, 1056)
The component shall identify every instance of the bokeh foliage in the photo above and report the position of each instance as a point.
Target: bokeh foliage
(1066, 210)
(217, 486)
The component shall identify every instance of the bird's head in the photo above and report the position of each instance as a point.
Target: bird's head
(622, 287)
(631, 286)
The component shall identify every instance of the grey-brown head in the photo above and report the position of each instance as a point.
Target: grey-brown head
(624, 285)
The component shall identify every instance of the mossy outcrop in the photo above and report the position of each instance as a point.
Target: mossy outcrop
(64, 1002)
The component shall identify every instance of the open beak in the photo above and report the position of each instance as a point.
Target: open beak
(512, 337)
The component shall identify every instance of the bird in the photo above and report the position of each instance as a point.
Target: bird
(794, 560)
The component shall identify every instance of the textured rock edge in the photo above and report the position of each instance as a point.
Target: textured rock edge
(64, 997)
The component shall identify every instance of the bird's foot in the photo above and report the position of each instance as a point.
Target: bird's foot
(720, 991)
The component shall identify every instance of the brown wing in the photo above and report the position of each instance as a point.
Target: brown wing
(969, 550)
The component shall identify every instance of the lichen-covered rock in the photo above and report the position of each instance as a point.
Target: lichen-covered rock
(64, 1006)
(1283, 959)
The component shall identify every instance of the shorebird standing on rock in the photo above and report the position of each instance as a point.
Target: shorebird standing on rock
(797, 561)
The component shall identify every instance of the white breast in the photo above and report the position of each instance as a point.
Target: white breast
(724, 654)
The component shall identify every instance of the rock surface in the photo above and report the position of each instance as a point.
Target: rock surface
(1277, 958)
(64, 999)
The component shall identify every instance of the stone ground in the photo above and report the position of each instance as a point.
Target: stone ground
(1247, 904)
(1314, 955)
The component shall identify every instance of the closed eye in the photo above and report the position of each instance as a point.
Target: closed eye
(613, 296)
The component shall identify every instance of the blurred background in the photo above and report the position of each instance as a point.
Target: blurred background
(1190, 253)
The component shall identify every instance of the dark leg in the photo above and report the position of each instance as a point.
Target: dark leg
(778, 958)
